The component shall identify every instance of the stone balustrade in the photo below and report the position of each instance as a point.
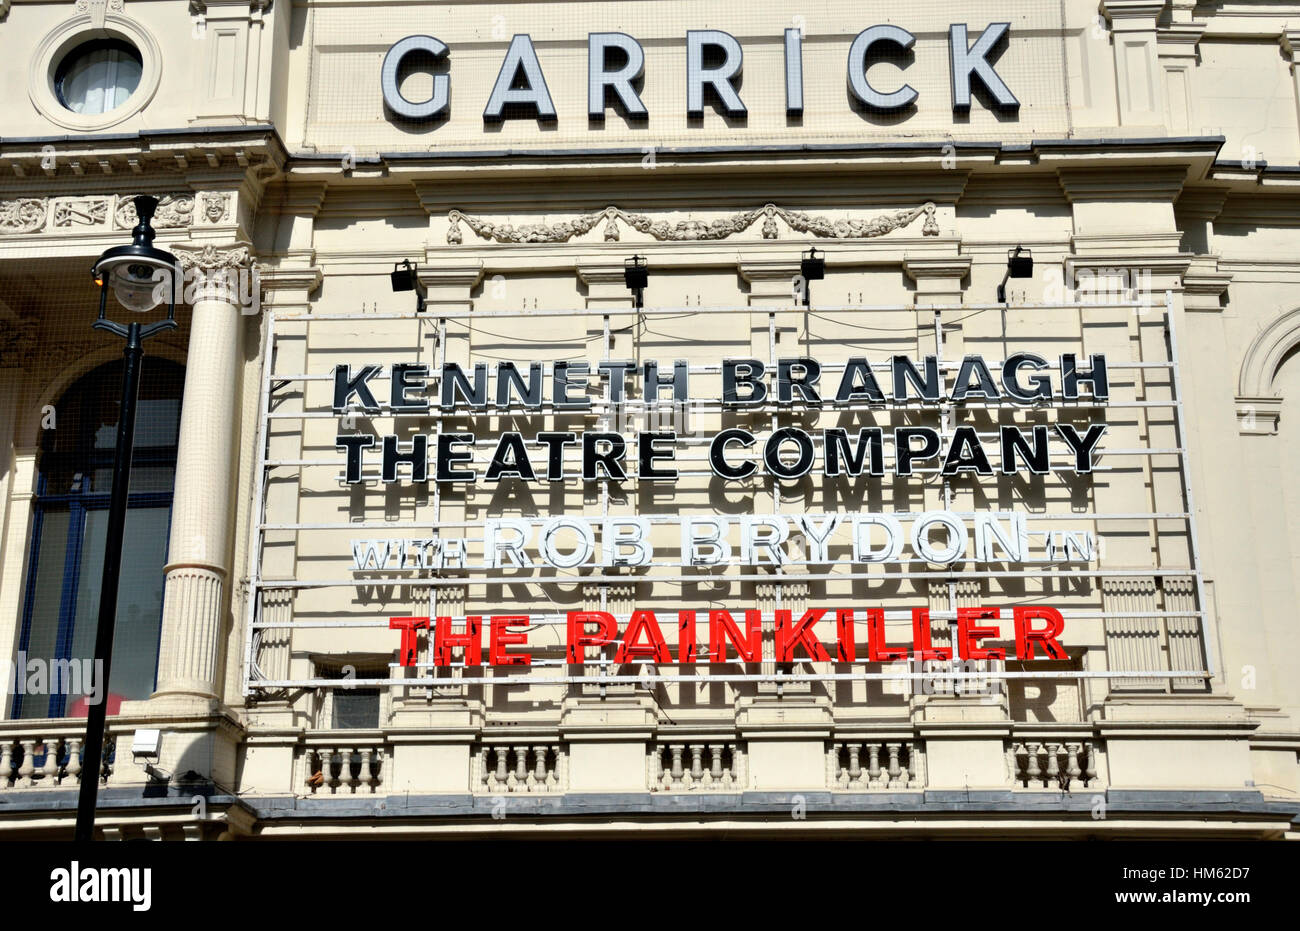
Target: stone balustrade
(519, 767)
(342, 767)
(717, 766)
(46, 754)
(874, 764)
(1060, 763)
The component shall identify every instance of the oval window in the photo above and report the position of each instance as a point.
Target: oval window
(98, 76)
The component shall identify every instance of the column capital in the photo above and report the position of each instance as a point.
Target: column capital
(210, 257)
(929, 267)
(1132, 15)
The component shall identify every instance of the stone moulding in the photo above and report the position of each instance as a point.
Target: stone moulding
(690, 230)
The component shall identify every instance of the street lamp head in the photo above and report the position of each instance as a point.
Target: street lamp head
(140, 276)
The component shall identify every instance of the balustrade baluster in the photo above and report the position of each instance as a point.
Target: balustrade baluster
(539, 777)
(1090, 768)
(894, 770)
(1072, 769)
(873, 764)
(521, 774)
(697, 764)
(855, 764)
(28, 765)
(74, 760)
(1053, 766)
(50, 771)
(677, 763)
(364, 774)
(6, 763)
(502, 774)
(1032, 771)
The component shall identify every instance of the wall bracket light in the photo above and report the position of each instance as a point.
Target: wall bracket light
(405, 277)
(1020, 264)
(636, 275)
(812, 267)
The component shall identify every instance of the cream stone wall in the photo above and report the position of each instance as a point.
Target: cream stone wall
(1154, 140)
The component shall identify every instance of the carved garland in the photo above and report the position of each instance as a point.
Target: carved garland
(691, 230)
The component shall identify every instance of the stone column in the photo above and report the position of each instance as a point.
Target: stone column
(198, 557)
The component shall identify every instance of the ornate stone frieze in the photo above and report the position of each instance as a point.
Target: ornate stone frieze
(690, 230)
(175, 211)
(80, 211)
(23, 215)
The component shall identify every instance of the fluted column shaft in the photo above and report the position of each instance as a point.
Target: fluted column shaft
(198, 554)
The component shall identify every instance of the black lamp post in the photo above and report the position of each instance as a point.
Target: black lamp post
(140, 277)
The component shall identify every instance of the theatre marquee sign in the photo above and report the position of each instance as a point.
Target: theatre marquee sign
(995, 472)
(714, 61)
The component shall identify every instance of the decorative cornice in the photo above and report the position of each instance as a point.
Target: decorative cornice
(690, 230)
(1258, 416)
(943, 267)
(1127, 183)
(289, 278)
(1204, 203)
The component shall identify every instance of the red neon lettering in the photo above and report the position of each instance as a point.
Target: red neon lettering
(877, 650)
(629, 649)
(846, 648)
(471, 641)
(790, 635)
(722, 628)
(408, 653)
(686, 647)
(968, 637)
(922, 646)
(1026, 636)
(579, 639)
(502, 637)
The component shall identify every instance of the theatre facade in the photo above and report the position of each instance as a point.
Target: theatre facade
(619, 417)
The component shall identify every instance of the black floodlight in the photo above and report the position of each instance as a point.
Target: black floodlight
(812, 267)
(635, 276)
(1020, 264)
(405, 278)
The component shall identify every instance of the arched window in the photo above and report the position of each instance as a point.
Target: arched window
(61, 608)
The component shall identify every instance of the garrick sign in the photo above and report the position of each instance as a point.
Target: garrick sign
(714, 60)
